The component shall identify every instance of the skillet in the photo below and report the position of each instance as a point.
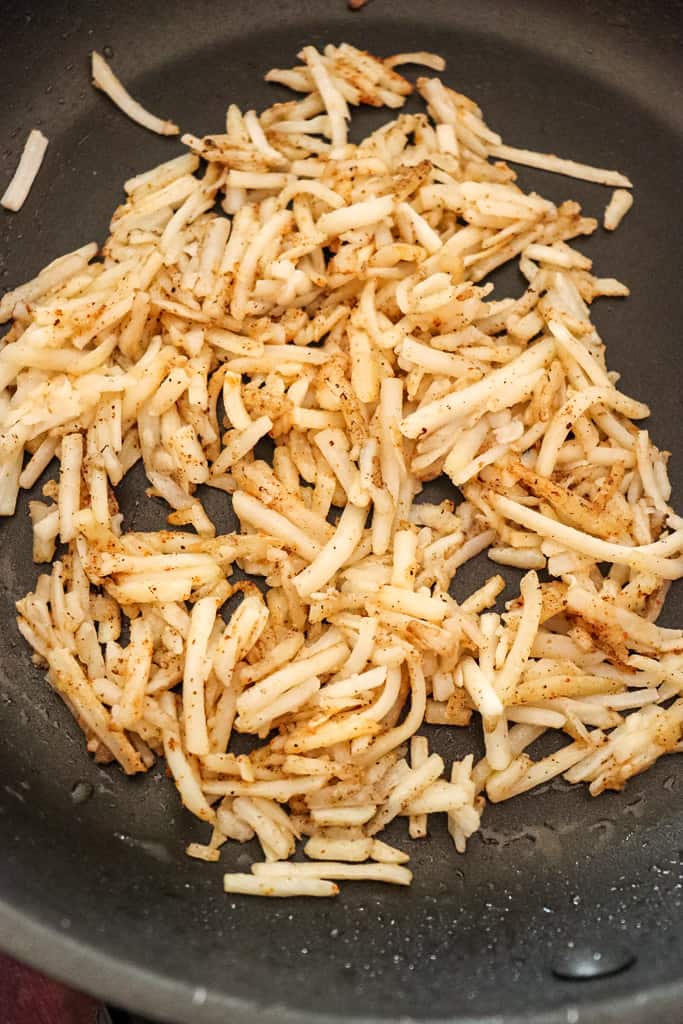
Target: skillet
(564, 909)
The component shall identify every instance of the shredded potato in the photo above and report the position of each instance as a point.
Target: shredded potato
(620, 203)
(104, 78)
(330, 300)
(16, 193)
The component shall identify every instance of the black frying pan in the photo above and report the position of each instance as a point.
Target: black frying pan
(556, 886)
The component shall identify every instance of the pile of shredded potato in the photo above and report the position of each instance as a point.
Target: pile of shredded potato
(332, 298)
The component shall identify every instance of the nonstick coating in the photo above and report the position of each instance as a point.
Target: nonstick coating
(100, 893)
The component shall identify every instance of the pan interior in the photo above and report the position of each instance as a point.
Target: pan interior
(476, 936)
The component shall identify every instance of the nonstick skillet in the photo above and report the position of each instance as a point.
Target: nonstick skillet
(564, 909)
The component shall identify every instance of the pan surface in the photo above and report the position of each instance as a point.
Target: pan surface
(99, 892)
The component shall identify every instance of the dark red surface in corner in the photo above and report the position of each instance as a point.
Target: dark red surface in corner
(27, 997)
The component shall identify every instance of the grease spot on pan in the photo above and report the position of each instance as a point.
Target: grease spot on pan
(154, 849)
(583, 963)
(81, 792)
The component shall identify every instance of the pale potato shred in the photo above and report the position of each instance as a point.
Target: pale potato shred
(333, 298)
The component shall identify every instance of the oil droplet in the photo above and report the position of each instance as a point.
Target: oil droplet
(636, 808)
(605, 827)
(81, 792)
(581, 963)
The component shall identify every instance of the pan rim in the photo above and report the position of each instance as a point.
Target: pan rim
(152, 993)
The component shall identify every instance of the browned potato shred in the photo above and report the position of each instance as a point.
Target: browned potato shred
(333, 298)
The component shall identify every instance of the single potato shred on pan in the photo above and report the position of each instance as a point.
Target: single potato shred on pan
(278, 283)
